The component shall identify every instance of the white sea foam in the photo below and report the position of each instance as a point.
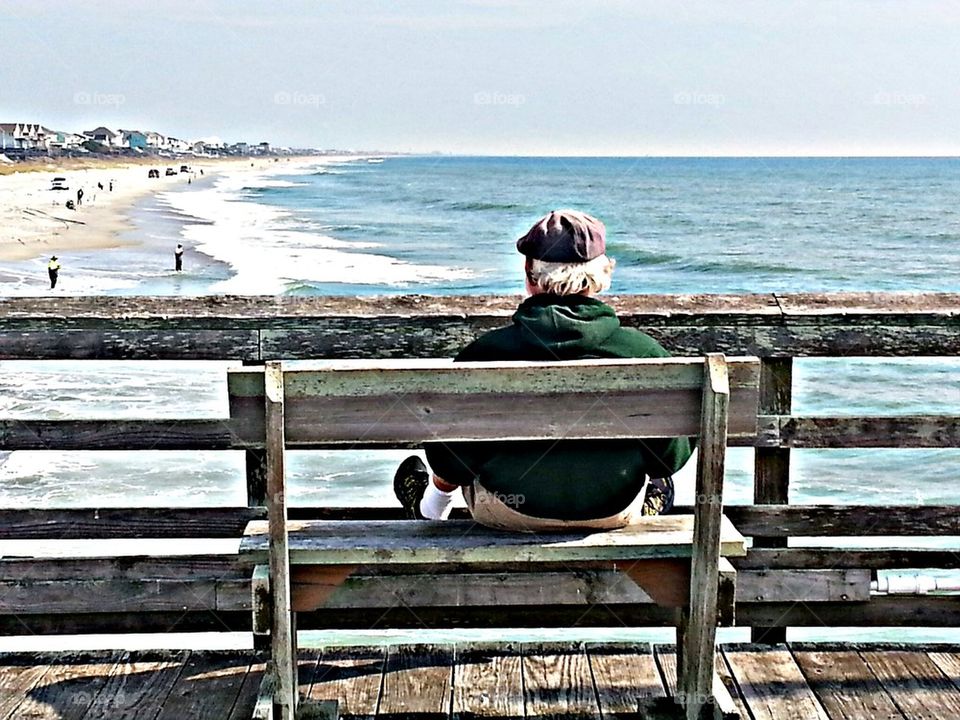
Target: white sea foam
(269, 250)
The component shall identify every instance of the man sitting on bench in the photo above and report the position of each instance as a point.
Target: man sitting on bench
(563, 484)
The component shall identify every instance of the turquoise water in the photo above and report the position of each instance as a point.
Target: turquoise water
(447, 225)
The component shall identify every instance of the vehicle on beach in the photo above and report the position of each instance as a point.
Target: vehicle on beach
(59, 183)
(184, 168)
(153, 173)
(170, 171)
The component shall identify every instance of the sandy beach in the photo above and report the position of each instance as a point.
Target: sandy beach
(35, 222)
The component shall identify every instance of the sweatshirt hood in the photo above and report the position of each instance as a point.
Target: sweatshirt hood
(565, 326)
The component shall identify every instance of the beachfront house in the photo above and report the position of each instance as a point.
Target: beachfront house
(133, 139)
(178, 145)
(23, 136)
(61, 140)
(156, 141)
(105, 136)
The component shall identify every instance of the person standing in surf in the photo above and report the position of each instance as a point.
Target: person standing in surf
(552, 485)
(53, 270)
(178, 258)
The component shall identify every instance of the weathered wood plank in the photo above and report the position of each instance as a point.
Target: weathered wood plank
(417, 680)
(68, 687)
(352, 678)
(845, 686)
(106, 596)
(902, 431)
(128, 523)
(417, 401)
(845, 520)
(624, 678)
(915, 683)
(213, 522)
(128, 343)
(464, 542)
(447, 588)
(243, 707)
(125, 622)
(772, 684)
(949, 664)
(488, 683)
(811, 558)
(16, 684)
(138, 686)
(185, 568)
(697, 640)
(771, 484)
(283, 630)
(207, 688)
(201, 434)
(557, 683)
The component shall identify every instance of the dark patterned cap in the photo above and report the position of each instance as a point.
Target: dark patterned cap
(564, 236)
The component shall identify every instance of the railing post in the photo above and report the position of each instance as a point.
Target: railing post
(771, 481)
(256, 466)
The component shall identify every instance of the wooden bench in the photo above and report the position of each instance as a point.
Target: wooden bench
(676, 559)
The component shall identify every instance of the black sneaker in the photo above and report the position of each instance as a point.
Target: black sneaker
(659, 497)
(409, 484)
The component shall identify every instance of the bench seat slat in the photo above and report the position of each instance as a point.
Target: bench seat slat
(326, 542)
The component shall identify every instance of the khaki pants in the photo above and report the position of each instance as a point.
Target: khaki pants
(489, 509)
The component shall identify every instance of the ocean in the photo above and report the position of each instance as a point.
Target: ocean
(447, 225)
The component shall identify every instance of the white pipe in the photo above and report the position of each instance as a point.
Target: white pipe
(913, 585)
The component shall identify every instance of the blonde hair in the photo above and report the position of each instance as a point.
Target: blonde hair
(592, 276)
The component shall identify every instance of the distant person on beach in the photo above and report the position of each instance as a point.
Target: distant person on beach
(79, 197)
(53, 270)
(99, 186)
(111, 186)
(552, 485)
(178, 258)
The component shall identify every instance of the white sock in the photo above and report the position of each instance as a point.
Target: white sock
(436, 504)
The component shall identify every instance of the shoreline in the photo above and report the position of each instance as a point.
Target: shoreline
(35, 222)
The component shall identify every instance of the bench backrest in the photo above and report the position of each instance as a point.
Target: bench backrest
(388, 403)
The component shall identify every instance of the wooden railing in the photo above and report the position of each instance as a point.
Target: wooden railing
(779, 585)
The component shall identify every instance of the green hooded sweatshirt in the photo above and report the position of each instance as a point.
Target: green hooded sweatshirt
(566, 479)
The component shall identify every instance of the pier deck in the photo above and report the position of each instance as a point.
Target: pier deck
(818, 681)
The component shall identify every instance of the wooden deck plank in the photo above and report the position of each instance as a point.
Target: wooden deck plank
(949, 663)
(488, 682)
(666, 657)
(845, 685)
(915, 683)
(351, 677)
(247, 694)
(137, 687)
(772, 684)
(69, 687)
(207, 687)
(558, 682)
(417, 681)
(16, 683)
(623, 678)
(374, 543)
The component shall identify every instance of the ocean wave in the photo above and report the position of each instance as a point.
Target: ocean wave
(630, 255)
(476, 205)
(726, 266)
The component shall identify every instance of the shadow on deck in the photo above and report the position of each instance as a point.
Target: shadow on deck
(503, 681)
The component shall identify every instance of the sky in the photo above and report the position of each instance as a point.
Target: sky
(521, 77)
